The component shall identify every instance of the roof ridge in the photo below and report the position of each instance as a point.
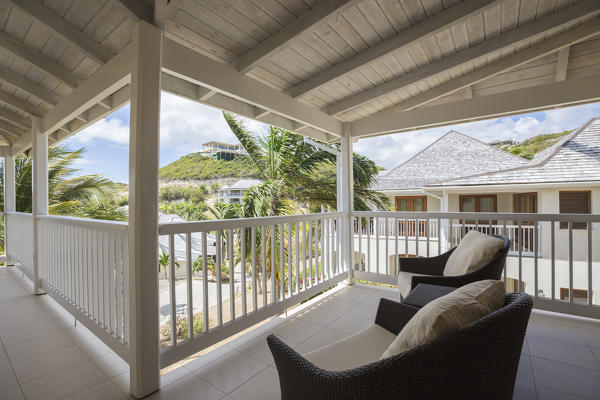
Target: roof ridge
(569, 137)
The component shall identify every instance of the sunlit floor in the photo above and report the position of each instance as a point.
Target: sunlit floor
(45, 356)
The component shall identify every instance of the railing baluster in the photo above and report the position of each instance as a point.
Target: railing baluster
(520, 235)
(218, 268)
(281, 262)
(310, 254)
(535, 259)
(231, 275)
(297, 257)
(243, 271)
(589, 262)
(119, 285)
(173, 305)
(396, 266)
(417, 237)
(263, 241)
(570, 226)
(387, 247)
(290, 266)
(206, 323)
(405, 237)
(428, 229)
(111, 282)
(273, 265)
(376, 235)
(552, 259)
(304, 240)
(254, 283)
(368, 260)
(190, 266)
(106, 286)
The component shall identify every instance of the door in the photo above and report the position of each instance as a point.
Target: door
(525, 203)
(412, 203)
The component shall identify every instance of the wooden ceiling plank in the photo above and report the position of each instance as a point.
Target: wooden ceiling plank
(401, 40)
(64, 29)
(321, 12)
(136, 10)
(20, 104)
(11, 129)
(470, 54)
(40, 62)
(15, 118)
(28, 86)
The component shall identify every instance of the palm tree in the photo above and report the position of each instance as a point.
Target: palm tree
(87, 196)
(297, 176)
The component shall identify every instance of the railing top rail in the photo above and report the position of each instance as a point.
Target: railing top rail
(85, 222)
(481, 216)
(17, 214)
(171, 228)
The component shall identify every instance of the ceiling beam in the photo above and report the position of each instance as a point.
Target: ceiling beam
(15, 118)
(28, 86)
(20, 104)
(321, 11)
(570, 37)
(562, 64)
(11, 129)
(482, 49)
(40, 62)
(189, 65)
(136, 10)
(399, 41)
(64, 29)
(537, 98)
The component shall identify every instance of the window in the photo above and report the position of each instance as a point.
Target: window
(574, 203)
(411, 203)
(525, 203)
(485, 203)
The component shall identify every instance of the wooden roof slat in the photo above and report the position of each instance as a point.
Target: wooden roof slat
(20, 104)
(402, 40)
(15, 118)
(485, 48)
(64, 29)
(322, 11)
(11, 129)
(136, 10)
(28, 86)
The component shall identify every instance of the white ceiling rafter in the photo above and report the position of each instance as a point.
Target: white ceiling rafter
(64, 29)
(322, 11)
(401, 40)
(28, 86)
(470, 54)
(15, 118)
(20, 104)
(136, 9)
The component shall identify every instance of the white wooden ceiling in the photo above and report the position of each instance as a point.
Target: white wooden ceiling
(349, 58)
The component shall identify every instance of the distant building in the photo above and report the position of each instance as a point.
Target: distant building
(222, 151)
(235, 193)
(503, 143)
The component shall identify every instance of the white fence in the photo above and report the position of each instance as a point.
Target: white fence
(564, 277)
(262, 266)
(84, 265)
(19, 243)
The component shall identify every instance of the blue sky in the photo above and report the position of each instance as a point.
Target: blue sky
(185, 125)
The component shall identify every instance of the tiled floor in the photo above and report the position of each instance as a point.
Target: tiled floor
(44, 356)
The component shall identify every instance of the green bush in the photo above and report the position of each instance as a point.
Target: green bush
(198, 167)
(187, 211)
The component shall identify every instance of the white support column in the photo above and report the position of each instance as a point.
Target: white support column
(9, 197)
(39, 191)
(143, 210)
(445, 224)
(345, 201)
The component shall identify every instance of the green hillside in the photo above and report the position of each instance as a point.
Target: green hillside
(195, 166)
(530, 147)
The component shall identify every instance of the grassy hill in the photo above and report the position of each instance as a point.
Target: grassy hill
(530, 147)
(195, 166)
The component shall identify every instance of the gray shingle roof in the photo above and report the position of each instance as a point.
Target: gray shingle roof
(576, 158)
(451, 156)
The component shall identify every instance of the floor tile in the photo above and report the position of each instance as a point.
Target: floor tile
(592, 336)
(94, 348)
(189, 387)
(12, 393)
(111, 365)
(63, 383)
(525, 371)
(320, 315)
(122, 383)
(551, 394)
(8, 380)
(202, 360)
(173, 376)
(297, 330)
(524, 391)
(230, 371)
(102, 391)
(264, 386)
(324, 337)
(38, 347)
(36, 367)
(564, 352)
(351, 323)
(563, 377)
(260, 350)
(548, 330)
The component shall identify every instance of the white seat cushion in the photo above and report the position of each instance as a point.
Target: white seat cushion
(405, 281)
(474, 251)
(448, 313)
(353, 351)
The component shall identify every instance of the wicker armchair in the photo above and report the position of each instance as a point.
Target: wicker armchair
(431, 270)
(478, 362)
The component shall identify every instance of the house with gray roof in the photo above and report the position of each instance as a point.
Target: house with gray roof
(235, 193)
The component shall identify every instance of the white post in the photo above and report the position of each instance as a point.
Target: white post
(143, 210)
(445, 224)
(345, 201)
(39, 204)
(9, 198)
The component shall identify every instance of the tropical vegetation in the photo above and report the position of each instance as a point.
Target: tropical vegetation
(530, 147)
(196, 166)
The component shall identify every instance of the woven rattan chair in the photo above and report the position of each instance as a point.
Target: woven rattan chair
(430, 270)
(479, 361)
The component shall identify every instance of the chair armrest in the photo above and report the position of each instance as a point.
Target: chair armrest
(427, 266)
(392, 315)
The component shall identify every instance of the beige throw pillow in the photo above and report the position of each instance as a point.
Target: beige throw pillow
(448, 313)
(474, 251)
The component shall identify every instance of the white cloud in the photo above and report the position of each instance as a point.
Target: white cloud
(390, 150)
(112, 130)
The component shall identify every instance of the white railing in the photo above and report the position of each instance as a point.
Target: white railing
(257, 268)
(563, 275)
(19, 238)
(84, 265)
